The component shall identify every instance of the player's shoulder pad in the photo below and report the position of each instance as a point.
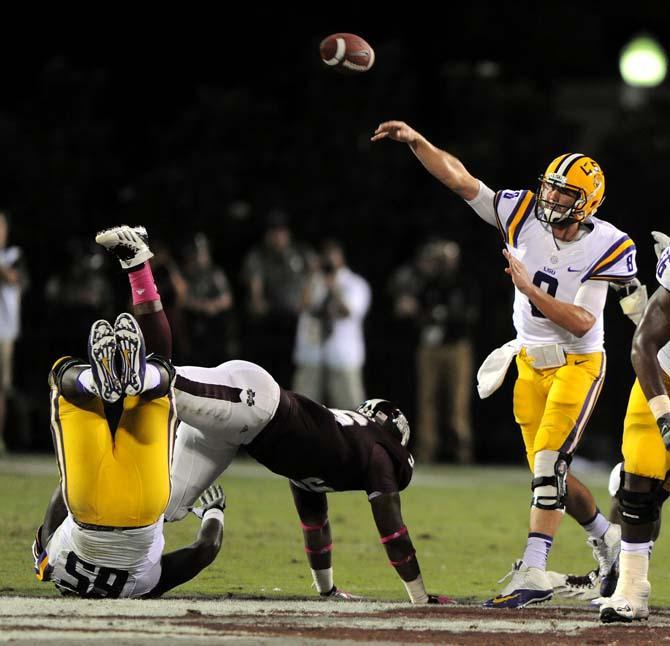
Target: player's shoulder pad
(613, 252)
(663, 268)
(512, 209)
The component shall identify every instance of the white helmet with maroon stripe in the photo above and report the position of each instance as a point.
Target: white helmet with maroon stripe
(388, 416)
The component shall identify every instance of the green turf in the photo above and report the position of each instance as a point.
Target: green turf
(468, 526)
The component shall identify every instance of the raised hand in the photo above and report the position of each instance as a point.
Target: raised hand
(396, 130)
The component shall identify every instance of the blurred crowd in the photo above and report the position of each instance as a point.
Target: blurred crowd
(283, 237)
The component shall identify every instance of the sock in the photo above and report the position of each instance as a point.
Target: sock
(636, 548)
(323, 579)
(597, 526)
(142, 285)
(537, 550)
(416, 590)
(85, 383)
(633, 570)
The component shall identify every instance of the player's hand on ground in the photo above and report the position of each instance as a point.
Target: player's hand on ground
(661, 241)
(518, 272)
(440, 600)
(212, 498)
(396, 130)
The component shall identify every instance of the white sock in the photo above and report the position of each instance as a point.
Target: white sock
(86, 383)
(597, 527)
(633, 569)
(636, 548)
(323, 579)
(416, 590)
(537, 550)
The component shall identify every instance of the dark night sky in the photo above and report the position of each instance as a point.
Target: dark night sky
(143, 77)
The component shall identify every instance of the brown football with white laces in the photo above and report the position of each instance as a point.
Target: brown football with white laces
(347, 53)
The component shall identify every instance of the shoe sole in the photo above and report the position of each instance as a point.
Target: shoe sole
(530, 602)
(101, 354)
(610, 616)
(130, 344)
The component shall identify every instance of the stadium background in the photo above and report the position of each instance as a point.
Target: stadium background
(187, 126)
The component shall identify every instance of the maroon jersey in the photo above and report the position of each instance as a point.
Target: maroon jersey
(325, 450)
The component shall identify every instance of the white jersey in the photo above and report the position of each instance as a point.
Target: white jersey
(663, 277)
(114, 563)
(605, 253)
(237, 398)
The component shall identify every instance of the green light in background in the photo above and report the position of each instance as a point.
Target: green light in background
(643, 62)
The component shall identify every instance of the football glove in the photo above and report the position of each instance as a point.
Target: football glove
(212, 498)
(661, 241)
(664, 426)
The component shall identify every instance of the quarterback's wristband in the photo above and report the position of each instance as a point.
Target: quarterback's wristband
(213, 513)
(659, 406)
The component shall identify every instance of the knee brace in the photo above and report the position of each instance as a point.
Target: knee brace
(549, 485)
(640, 507)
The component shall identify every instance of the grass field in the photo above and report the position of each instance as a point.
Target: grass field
(468, 526)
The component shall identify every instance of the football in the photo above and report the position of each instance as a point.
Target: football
(347, 53)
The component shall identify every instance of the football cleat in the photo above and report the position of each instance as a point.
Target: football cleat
(606, 552)
(340, 595)
(528, 585)
(131, 350)
(128, 244)
(631, 607)
(101, 354)
(572, 586)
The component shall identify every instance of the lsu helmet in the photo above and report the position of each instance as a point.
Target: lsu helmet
(388, 416)
(577, 177)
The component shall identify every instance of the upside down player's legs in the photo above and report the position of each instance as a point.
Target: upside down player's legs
(120, 479)
(143, 448)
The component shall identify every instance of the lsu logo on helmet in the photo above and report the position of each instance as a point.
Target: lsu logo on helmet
(571, 189)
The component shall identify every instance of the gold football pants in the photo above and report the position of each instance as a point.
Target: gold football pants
(644, 453)
(119, 480)
(552, 406)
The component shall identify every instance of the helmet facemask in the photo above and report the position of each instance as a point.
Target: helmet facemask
(571, 190)
(567, 205)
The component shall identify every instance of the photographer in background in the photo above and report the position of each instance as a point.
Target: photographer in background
(330, 346)
(13, 279)
(443, 301)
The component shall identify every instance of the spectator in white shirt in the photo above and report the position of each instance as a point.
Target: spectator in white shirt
(330, 345)
(12, 282)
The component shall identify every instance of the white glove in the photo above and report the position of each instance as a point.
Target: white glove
(211, 498)
(661, 242)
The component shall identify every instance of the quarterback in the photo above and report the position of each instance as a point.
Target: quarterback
(560, 259)
(318, 449)
(102, 535)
